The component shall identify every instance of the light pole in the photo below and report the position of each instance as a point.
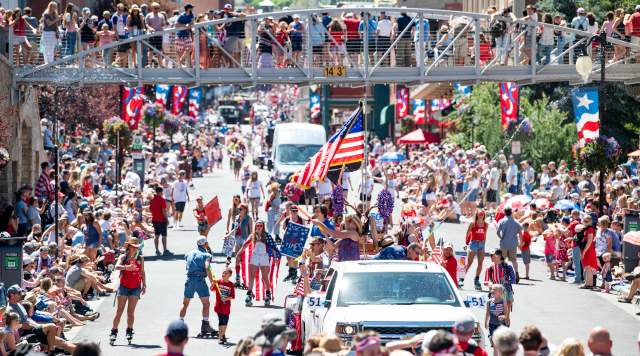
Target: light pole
(584, 65)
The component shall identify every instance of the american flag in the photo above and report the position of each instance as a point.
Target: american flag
(586, 109)
(439, 104)
(162, 90)
(419, 107)
(195, 97)
(436, 255)
(344, 147)
(299, 290)
(509, 101)
(259, 290)
(132, 102)
(178, 98)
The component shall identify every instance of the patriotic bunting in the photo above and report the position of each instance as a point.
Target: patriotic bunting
(586, 110)
(132, 102)
(195, 97)
(419, 111)
(162, 92)
(402, 102)
(439, 104)
(178, 98)
(509, 101)
(314, 102)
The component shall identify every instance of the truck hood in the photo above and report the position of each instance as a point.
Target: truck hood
(432, 314)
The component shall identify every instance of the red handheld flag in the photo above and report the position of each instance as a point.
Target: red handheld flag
(212, 211)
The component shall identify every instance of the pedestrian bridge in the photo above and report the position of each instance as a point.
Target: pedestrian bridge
(420, 54)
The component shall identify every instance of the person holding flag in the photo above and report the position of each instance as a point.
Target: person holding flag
(225, 293)
(262, 260)
(133, 283)
(198, 262)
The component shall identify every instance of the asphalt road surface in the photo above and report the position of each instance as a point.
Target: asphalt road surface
(559, 309)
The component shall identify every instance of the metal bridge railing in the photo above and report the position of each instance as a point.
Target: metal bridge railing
(437, 45)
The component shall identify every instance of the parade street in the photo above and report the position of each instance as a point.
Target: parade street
(559, 309)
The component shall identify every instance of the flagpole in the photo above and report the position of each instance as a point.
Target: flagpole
(365, 126)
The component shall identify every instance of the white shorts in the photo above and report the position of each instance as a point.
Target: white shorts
(260, 260)
(20, 39)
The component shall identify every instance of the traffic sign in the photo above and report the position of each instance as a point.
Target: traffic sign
(138, 143)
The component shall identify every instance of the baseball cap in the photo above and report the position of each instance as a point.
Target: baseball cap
(14, 289)
(202, 240)
(177, 331)
(582, 11)
(465, 324)
(496, 251)
(27, 260)
(188, 6)
(637, 7)
(228, 6)
(447, 245)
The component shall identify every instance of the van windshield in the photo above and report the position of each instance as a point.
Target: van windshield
(296, 154)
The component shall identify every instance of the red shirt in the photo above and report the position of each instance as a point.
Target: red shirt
(157, 207)
(451, 265)
(526, 241)
(477, 233)
(572, 229)
(225, 289)
(352, 25)
(634, 20)
(463, 346)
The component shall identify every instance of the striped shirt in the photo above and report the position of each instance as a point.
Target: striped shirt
(500, 274)
(43, 187)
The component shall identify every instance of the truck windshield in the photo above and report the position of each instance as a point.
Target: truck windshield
(396, 288)
(289, 154)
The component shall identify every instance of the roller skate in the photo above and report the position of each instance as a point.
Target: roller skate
(267, 298)
(129, 333)
(206, 331)
(113, 336)
(476, 283)
(248, 301)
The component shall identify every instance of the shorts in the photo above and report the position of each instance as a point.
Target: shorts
(354, 45)
(365, 197)
(239, 241)
(260, 260)
(526, 256)
(492, 196)
(508, 295)
(223, 320)
(202, 226)
(196, 286)
(317, 49)
(492, 328)
(38, 336)
(129, 292)
(510, 253)
(296, 44)
(180, 206)
(156, 42)
(92, 244)
(476, 246)
(549, 258)
(123, 47)
(232, 44)
(184, 43)
(160, 228)
(473, 195)
(20, 39)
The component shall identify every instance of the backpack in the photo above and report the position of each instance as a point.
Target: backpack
(498, 28)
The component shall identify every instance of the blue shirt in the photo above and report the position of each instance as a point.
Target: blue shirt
(21, 212)
(508, 230)
(184, 19)
(315, 231)
(47, 138)
(393, 252)
(196, 263)
(373, 25)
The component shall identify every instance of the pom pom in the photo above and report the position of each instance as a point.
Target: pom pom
(337, 200)
(385, 203)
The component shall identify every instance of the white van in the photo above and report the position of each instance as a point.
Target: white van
(293, 145)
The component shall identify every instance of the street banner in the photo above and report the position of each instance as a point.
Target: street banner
(212, 211)
(463, 90)
(139, 169)
(162, 92)
(295, 236)
(178, 98)
(587, 113)
(314, 101)
(439, 104)
(132, 102)
(509, 103)
(195, 97)
(402, 102)
(419, 111)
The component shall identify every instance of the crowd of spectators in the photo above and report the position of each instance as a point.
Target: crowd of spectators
(336, 39)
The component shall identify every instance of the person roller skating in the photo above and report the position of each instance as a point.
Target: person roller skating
(198, 262)
(132, 286)
(262, 253)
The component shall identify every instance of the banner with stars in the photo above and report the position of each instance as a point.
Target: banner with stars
(585, 108)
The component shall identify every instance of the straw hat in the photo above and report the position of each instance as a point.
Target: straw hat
(133, 242)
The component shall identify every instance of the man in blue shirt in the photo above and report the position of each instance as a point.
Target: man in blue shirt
(320, 213)
(198, 262)
(184, 43)
(371, 34)
(510, 234)
(392, 251)
(22, 208)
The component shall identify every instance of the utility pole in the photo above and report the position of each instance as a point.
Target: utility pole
(518, 7)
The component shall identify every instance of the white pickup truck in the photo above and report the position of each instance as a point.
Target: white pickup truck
(397, 299)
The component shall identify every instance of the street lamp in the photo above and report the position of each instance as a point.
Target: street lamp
(584, 65)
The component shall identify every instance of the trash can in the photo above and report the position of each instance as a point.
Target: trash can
(11, 253)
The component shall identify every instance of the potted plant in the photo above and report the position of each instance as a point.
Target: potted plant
(600, 155)
(115, 128)
(171, 125)
(5, 157)
(153, 115)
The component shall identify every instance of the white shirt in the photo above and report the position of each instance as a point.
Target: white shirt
(512, 174)
(180, 191)
(494, 178)
(367, 187)
(324, 188)
(253, 190)
(345, 180)
(385, 27)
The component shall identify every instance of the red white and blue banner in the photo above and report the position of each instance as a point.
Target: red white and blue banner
(162, 92)
(419, 111)
(402, 102)
(586, 110)
(439, 104)
(131, 106)
(178, 99)
(195, 98)
(463, 90)
(509, 102)
(314, 102)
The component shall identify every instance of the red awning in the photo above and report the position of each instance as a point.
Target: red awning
(417, 137)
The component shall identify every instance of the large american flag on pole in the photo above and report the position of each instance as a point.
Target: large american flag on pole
(259, 289)
(344, 147)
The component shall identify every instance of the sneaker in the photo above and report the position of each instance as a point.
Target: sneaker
(167, 253)
(158, 253)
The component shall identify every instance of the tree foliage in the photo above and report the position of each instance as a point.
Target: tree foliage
(87, 106)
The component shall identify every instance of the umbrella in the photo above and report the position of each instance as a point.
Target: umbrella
(632, 237)
(417, 137)
(393, 157)
(566, 204)
(516, 203)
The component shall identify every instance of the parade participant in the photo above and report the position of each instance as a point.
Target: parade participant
(589, 260)
(525, 248)
(260, 249)
(550, 252)
(225, 293)
(463, 328)
(201, 217)
(234, 210)
(159, 219)
(475, 241)
(273, 209)
(449, 261)
(497, 311)
(510, 233)
(291, 213)
(254, 192)
(176, 338)
(92, 235)
(133, 284)
(344, 244)
(180, 194)
(501, 273)
(198, 262)
(242, 229)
